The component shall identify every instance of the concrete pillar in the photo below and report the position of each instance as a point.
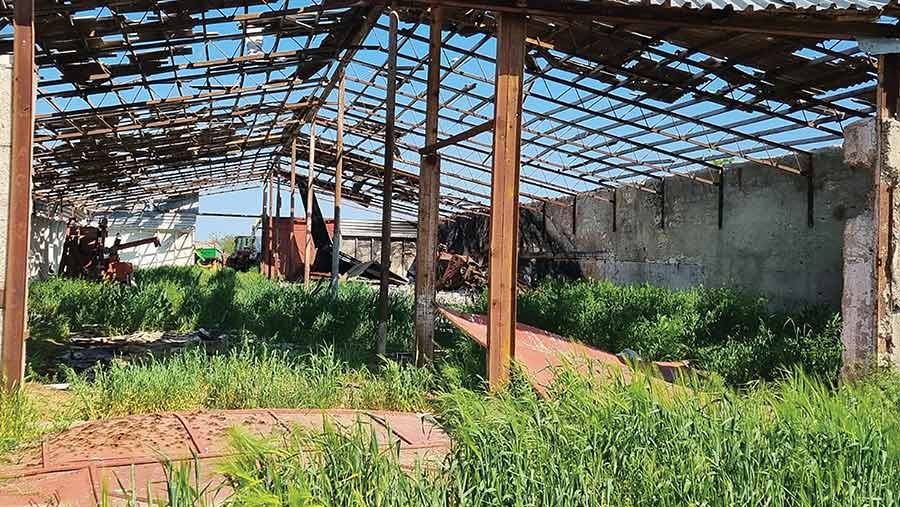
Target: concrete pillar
(871, 296)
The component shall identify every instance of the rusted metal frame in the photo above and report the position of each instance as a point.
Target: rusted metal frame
(146, 107)
(534, 140)
(678, 137)
(504, 236)
(15, 290)
(410, 75)
(388, 186)
(381, 102)
(605, 134)
(721, 97)
(484, 99)
(643, 105)
(429, 200)
(446, 185)
(338, 186)
(591, 90)
(730, 63)
(208, 175)
(888, 107)
(804, 27)
(288, 92)
(479, 167)
(213, 72)
(372, 15)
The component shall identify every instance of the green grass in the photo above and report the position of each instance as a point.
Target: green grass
(248, 377)
(796, 442)
(720, 330)
(18, 419)
(185, 299)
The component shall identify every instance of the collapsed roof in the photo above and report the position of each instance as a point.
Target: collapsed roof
(160, 98)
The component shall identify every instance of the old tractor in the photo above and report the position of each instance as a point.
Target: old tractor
(85, 254)
(244, 255)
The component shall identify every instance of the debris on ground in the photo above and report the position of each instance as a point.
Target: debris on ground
(542, 353)
(83, 352)
(457, 271)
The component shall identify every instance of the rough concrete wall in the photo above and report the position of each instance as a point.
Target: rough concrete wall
(765, 244)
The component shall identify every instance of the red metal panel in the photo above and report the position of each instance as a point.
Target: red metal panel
(290, 250)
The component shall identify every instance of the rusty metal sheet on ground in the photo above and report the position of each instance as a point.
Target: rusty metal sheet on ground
(543, 353)
(122, 459)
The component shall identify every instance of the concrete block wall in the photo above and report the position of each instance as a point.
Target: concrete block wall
(765, 244)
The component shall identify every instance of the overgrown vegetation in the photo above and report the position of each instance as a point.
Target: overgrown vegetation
(185, 299)
(720, 330)
(18, 419)
(248, 377)
(796, 442)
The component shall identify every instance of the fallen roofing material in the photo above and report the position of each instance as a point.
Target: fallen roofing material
(74, 468)
(543, 353)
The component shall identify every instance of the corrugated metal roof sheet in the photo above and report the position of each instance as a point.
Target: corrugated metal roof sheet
(761, 5)
(400, 229)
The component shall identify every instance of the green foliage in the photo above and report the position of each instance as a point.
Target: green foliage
(720, 330)
(247, 378)
(796, 442)
(185, 298)
(18, 419)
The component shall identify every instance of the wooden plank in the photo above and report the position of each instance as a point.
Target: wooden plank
(888, 104)
(338, 183)
(289, 270)
(15, 309)
(307, 253)
(458, 138)
(504, 230)
(388, 186)
(429, 201)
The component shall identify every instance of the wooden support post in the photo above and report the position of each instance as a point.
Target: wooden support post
(15, 295)
(264, 223)
(338, 183)
(429, 200)
(505, 197)
(277, 268)
(293, 206)
(307, 244)
(271, 245)
(388, 186)
(888, 106)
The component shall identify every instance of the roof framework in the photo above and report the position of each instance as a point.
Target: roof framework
(146, 99)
